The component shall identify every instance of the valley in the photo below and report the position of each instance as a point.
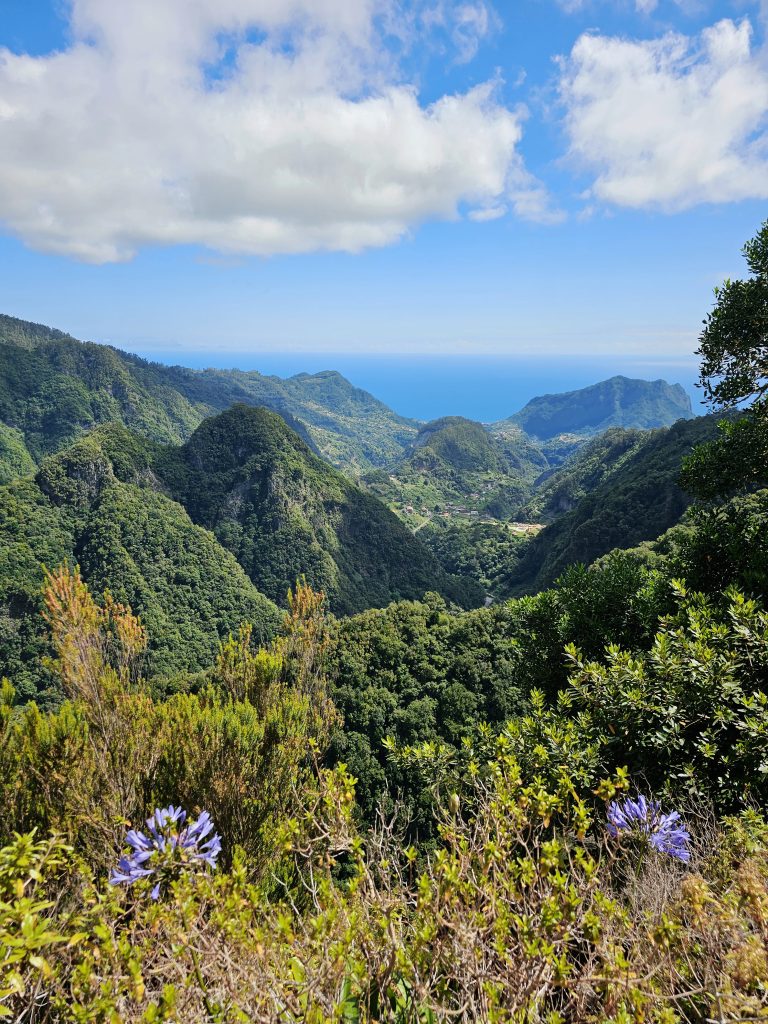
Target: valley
(127, 469)
(384, 542)
(454, 619)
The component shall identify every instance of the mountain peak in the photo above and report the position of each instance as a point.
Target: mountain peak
(618, 401)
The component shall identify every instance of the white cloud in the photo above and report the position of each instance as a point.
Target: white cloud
(488, 213)
(571, 6)
(645, 7)
(670, 122)
(247, 126)
(472, 23)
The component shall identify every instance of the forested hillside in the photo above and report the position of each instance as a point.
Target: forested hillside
(285, 513)
(617, 402)
(53, 387)
(254, 482)
(594, 462)
(131, 539)
(136, 515)
(613, 491)
(638, 498)
(454, 468)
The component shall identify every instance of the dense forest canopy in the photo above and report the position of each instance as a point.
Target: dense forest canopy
(52, 387)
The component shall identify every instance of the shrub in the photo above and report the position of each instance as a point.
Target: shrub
(112, 753)
(527, 911)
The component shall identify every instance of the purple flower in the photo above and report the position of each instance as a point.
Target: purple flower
(642, 817)
(169, 847)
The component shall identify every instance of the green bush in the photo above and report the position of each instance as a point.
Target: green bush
(111, 752)
(526, 910)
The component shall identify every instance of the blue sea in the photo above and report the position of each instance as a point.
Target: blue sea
(484, 388)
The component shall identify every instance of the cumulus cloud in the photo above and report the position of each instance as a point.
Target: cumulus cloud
(247, 126)
(670, 122)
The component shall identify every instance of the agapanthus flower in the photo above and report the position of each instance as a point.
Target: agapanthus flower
(664, 832)
(169, 847)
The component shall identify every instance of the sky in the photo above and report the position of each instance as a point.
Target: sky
(229, 181)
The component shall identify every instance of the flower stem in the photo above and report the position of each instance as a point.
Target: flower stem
(209, 1007)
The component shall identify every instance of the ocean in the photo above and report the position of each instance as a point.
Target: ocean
(484, 388)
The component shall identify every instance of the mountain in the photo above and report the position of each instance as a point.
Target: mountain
(636, 499)
(200, 537)
(457, 468)
(128, 537)
(282, 511)
(617, 402)
(459, 443)
(53, 387)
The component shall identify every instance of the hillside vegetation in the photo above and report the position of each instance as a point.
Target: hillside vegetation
(136, 515)
(546, 811)
(133, 540)
(638, 497)
(594, 462)
(53, 387)
(617, 402)
(456, 468)
(615, 491)
(284, 513)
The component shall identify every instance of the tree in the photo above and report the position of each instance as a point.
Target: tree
(734, 342)
(734, 369)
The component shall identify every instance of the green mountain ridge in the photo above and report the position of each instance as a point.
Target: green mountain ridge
(199, 537)
(460, 443)
(281, 512)
(617, 402)
(560, 490)
(284, 512)
(636, 498)
(54, 387)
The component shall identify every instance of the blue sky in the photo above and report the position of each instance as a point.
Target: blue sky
(255, 177)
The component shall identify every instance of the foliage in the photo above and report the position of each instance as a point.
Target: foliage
(691, 714)
(15, 460)
(135, 541)
(111, 753)
(637, 502)
(736, 459)
(417, 672)
(480, 551)
(734, 370)
(734, 342)
(527, 910)
(715, 547)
